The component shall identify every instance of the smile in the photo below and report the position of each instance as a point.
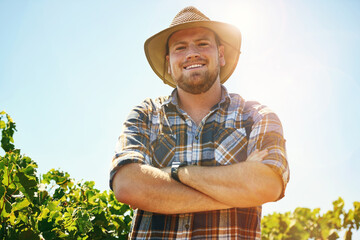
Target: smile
(193, 66)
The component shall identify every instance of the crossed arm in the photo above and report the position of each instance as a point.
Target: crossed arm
(246, 184)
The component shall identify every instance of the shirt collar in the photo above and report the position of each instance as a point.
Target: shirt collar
(224, 101)
(172, 99)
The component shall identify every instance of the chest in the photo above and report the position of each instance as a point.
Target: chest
(215, 140)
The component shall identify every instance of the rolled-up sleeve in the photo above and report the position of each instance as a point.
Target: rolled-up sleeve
(267, 133)
(133, 143)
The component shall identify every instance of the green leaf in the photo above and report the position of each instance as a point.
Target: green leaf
(7, 136)
(45, 224)
(2, 163)
(100, 219)
(44, 214)
(21, 205)
(53, 206)
(357, 214)
(9, 118)
(2, 124)
(124, 208)
(5, 176)
(6, 211)
(89, 184)
(28, 185)
(2, 191)
(49, 234)
(338, 204)
(30, 169)
(29, 234)
(59, 193)
(83, 221)
(23, 217)
(13, 220)
(349, 218)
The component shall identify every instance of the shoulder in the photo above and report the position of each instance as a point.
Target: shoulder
(144, 117)
(252, 111)
(257, 110)
(263, 118)
(151, 106)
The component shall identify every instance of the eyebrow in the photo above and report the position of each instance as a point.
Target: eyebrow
(178, 42)
(197, 40)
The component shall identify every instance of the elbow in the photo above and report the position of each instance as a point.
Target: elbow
(259, 194)
(271, 191)
(271, 186)
(272, 194)
(122, 188)
(121, 194)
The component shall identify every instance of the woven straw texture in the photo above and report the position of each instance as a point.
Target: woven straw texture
(188, 14)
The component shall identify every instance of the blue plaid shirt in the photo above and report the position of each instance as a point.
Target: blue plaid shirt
(158, 132)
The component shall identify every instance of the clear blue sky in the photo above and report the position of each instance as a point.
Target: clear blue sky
(70, 71)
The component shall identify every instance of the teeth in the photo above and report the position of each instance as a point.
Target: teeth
(193, 66)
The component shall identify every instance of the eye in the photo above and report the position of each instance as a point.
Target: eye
(203, 44)
(179, 48)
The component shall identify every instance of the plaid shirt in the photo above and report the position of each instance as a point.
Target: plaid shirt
(158, 132)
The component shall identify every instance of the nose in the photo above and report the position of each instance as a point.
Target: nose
(193, 53)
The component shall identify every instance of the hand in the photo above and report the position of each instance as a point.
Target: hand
(257, 156)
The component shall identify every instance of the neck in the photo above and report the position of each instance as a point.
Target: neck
(199, 105)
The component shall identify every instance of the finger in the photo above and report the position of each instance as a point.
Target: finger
(257, 155)
(253, 153)
(264, 152)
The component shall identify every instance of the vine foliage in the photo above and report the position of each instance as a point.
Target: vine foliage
(305, 223)
(52, 206)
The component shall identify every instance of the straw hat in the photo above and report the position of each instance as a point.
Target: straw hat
(190, 17)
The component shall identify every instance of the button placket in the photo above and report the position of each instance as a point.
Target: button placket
(186, 222)
(195, 144)
(183, 225)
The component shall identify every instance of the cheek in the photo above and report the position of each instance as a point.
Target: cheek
(174, 64)
(172, 68)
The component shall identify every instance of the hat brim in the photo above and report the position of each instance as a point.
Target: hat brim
(230, 38)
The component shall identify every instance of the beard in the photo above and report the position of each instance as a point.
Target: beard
(198, 82)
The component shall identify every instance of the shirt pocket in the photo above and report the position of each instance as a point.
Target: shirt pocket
(230, 145)
(163, 150)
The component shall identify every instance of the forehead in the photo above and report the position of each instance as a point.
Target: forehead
(191, 34)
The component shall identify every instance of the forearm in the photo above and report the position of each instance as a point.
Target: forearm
(245, 184)
(152, 189)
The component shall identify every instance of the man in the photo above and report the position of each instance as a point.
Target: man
(200, 163)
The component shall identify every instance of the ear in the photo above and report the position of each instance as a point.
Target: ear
(221, 50)
(168, 64)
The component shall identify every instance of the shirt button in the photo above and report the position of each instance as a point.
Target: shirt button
(187, 226)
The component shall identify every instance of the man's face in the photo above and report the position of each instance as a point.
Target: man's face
(194, 59)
